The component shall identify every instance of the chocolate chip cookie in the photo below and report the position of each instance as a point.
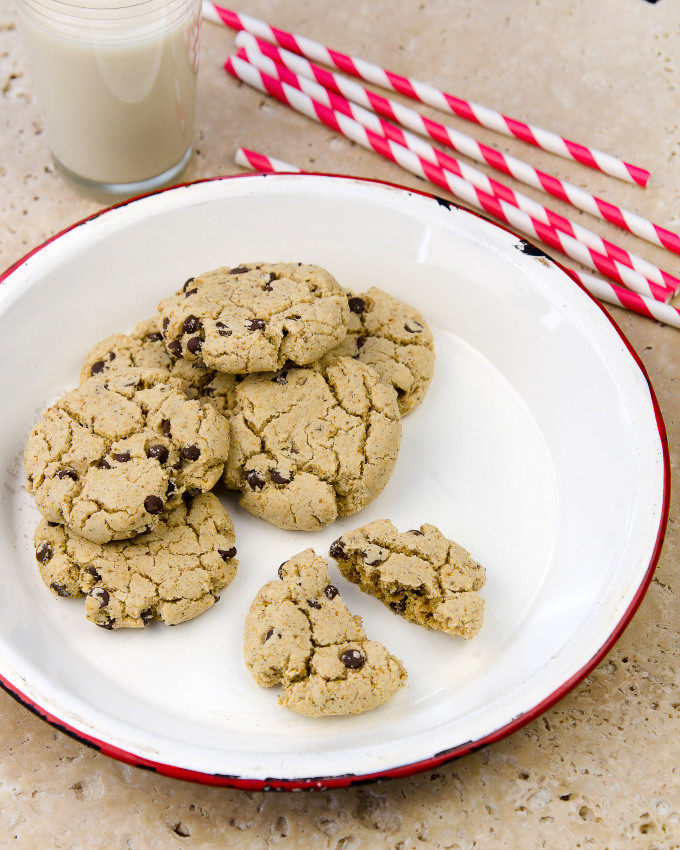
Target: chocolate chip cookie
(172, 573)
(309, 444)
(255, 317)
(394, 339)
(299, 633)
(145, 348)
(110, 457)
(419, 574)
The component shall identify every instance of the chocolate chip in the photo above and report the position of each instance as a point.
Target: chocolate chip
(195, 344)
(67, 473)
(187, 282)
(97, 367)
(190, 292)
(331, 591)
(166, 322)
(360, 340)
(416, 531)
(226, 554)
(122, 457)
(280, 378)
(153, 504)
(191, 324)
(255, 481)
(222, 329)
(313, 603)
(191, 452)
(357, 305)
(353, 659)
(92, 572)
(194, 491)
(112, 355)
(239, 270)
(154, 336)
(43, 553)
(108, 624)
(101, 595)
(158, 452)
(175, 347)
(165, 427)
(53, 524)
(147, 616)
(413, 327)
(281, 566)
(104, 464)
(60, 590)
(171, 488)
(337, 549)
(269, 634)
(277, 478)
(256, 325)
(375, 563)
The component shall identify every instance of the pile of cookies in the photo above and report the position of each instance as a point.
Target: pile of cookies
(277, 382)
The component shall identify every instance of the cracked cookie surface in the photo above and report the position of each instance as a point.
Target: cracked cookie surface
(144, 347)
(111, 456)
(299, 633)
(255, 317)
(419, 574)
(171, 574)
(394, 339)
(308, 445)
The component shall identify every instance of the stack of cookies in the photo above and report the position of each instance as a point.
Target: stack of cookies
(274, 380)
(321, 379)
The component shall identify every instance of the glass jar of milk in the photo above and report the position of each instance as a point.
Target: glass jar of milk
(116, 83)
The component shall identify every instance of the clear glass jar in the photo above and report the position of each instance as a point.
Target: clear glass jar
(116, 84)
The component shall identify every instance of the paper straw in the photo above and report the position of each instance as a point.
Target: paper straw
(473, 175)
(259, 162)
(445, 179)
(622, 297)
(600, 289)
(428, 94)
(409, 118)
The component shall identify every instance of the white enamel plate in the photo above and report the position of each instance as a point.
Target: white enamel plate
(539, 448)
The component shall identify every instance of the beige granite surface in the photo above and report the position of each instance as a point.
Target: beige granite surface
(601, 768)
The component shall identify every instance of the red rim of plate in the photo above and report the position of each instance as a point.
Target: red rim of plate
(344, 781)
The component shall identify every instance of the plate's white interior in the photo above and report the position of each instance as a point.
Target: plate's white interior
(536, 448)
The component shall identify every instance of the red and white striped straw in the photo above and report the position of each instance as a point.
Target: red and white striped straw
(247, 158)
(428, 94)
(445, 179)
(622, 297)
(520, 170)
(600, 289)
(370, 120)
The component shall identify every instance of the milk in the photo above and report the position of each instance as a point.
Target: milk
(117, 88)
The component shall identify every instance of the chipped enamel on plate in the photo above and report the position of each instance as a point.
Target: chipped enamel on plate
(538, 447)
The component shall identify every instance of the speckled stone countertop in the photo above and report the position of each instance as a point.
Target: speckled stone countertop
(602, 767)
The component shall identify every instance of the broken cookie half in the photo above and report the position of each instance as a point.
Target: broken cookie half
(419, 574)
(299, 633)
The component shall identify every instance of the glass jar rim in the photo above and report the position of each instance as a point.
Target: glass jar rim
(115, 19)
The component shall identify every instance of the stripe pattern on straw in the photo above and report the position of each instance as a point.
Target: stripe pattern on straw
(460, 188)
(604, 291)
(250, 51)
(302, 69)
(428, 94)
